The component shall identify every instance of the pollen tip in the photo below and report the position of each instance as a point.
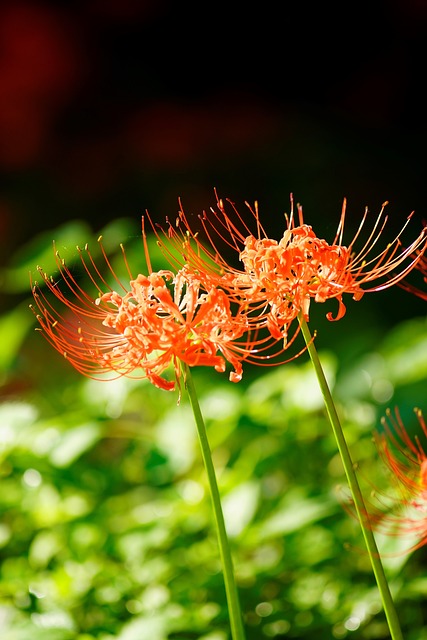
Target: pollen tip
(100, 238)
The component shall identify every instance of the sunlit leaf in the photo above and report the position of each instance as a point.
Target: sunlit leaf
(295, 512)
(15, 417)
(145, 627)
(75, 442)
(240, 506)
(405, 352)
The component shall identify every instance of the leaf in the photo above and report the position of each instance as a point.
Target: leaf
(240, 506)
(296, 512)
(74, 443)
(144, 627)
(405, 352)
(40, 251)
(14, 326)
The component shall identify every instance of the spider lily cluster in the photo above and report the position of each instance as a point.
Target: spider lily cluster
(204, 311)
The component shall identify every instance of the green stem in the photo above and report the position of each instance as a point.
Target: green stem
(237, 632)
(374, 556)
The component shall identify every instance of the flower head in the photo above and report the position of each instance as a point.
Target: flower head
(403, 511)
(141, 328)
(281, 278)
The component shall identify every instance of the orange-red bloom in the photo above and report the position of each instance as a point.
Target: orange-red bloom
(279, 279)
(402, 512)
(142, 328)
(421, 266)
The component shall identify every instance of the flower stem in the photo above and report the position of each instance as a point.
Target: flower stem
(374, 556)
(237, 632)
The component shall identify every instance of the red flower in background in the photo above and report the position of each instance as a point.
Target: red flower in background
(402, 512)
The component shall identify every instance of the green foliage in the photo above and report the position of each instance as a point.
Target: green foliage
(106, 525)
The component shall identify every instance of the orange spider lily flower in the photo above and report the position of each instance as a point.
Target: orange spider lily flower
(140, 329)
(282, 277)
(403, 514)
(421, 266)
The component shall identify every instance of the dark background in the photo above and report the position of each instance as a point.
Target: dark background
(108, 108)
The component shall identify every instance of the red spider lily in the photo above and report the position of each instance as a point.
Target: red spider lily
(282, 277)
(401, 510)
(421, 266)
(405, 512)
(141, 329)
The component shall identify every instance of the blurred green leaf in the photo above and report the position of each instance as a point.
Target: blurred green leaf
(40, 251)
(74, 443)
(145, 627)
(405, 352)
(295, 512)
(14, 327)
(239, 506)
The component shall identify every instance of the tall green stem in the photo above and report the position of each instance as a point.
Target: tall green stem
(359, 504)
(237, 632)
